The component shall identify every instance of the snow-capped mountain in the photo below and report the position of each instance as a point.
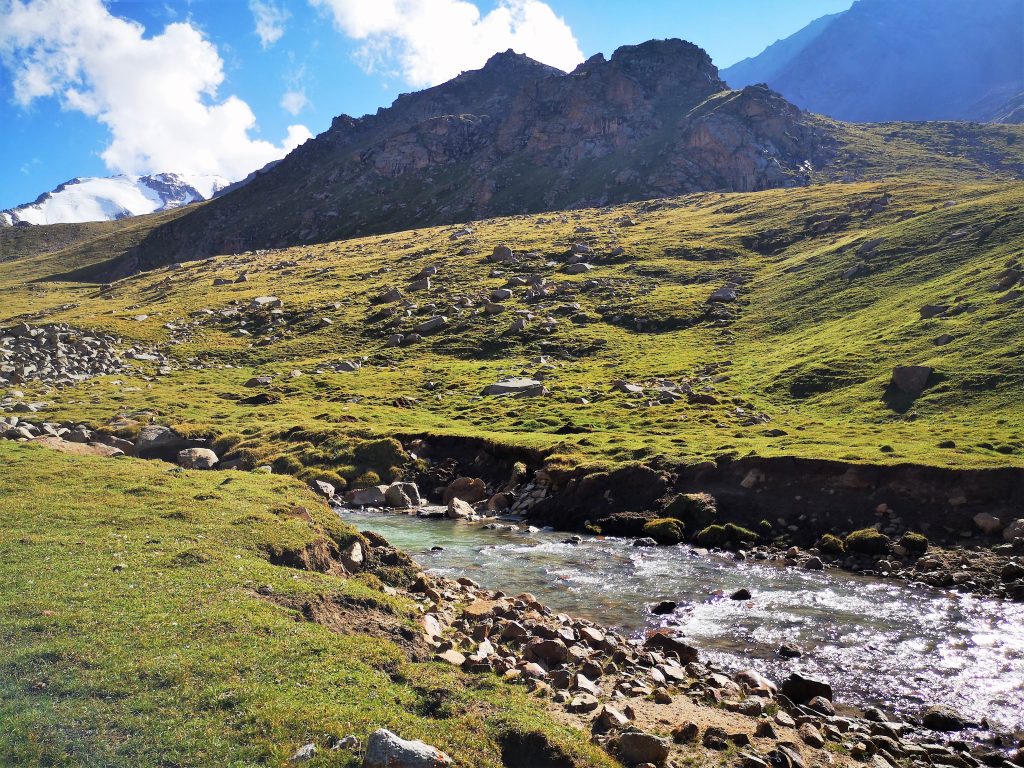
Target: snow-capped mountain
(114, 197)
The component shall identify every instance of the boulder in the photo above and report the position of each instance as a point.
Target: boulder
(502, 253)
(402, 495)
(154, 438)
(635, 747)
(197, 458)
(435, 323)
(578, 269)
(386, 750)
(663, 641)
(800, 689)
(548, 652)
(353, 557)
(517, 387)
(469, 489)
(724, 294)
(323, 488)
(911, 379)
(78, 449)
(459, 510)
(1014, 530)
(932, 310)
(939, 718)
(609, 719)
(988, 524)
(368, 497)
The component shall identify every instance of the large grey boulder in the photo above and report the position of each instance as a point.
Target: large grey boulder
(435, 323)
(402, 495)
(323, 488)
(988, 524)
(386, 750)
(459, 510)
(636, 747)
(1014, 530)
(197, 458)
(801, 690)
(724, 294)
(516, 387)
(502, 253)
(368, 497)
(155, 438)
(911, 379)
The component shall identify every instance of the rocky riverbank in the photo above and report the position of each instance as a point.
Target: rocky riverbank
(655, 701)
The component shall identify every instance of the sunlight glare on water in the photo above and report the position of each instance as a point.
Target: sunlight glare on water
(877, 642)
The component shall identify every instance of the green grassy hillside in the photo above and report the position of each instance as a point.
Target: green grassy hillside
(830, 281)
(144, 624)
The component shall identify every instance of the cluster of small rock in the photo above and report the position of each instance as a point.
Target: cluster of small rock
(602, 677)
(465, 498)
(60, 355)
(153, 441)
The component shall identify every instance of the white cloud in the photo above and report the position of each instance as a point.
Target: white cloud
(294, 102)
(157, 95)
(430, 41)
(270, 19)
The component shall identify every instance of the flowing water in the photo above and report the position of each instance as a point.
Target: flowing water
(878, 642)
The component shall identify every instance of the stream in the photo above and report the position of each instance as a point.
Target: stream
(878, 642)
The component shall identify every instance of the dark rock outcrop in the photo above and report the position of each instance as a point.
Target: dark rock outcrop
(513, 137)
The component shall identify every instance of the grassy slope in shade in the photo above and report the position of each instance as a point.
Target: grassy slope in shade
(174, 660)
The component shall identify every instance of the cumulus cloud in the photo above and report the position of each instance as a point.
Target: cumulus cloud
(270, 19)
(157, 95)
(294, 102)
(429, 41)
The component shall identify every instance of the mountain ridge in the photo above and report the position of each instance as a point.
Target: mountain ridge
(516, 136)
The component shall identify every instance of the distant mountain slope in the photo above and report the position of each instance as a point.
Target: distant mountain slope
(113, 197)
(776, 57)
(515, 136)
(886, 60)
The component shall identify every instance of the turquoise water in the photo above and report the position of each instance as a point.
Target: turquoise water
(877, 642)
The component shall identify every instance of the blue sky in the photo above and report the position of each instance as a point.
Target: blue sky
(223, 86)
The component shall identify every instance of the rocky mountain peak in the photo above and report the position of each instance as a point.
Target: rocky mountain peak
(672, 62)
(514, 136)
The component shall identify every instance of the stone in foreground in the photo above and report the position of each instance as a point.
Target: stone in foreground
(638, 747)
(386, 750)
(197, 458)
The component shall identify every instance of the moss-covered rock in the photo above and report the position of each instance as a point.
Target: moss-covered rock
(724, 535)
(696, 510)
(380, 455)
(286, 464)
(664, 530)
(622, 524)
(366, 480)
(868, 541)
(831, 544)
(915, 543)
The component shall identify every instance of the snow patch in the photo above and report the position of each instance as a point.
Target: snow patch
(114, 197)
